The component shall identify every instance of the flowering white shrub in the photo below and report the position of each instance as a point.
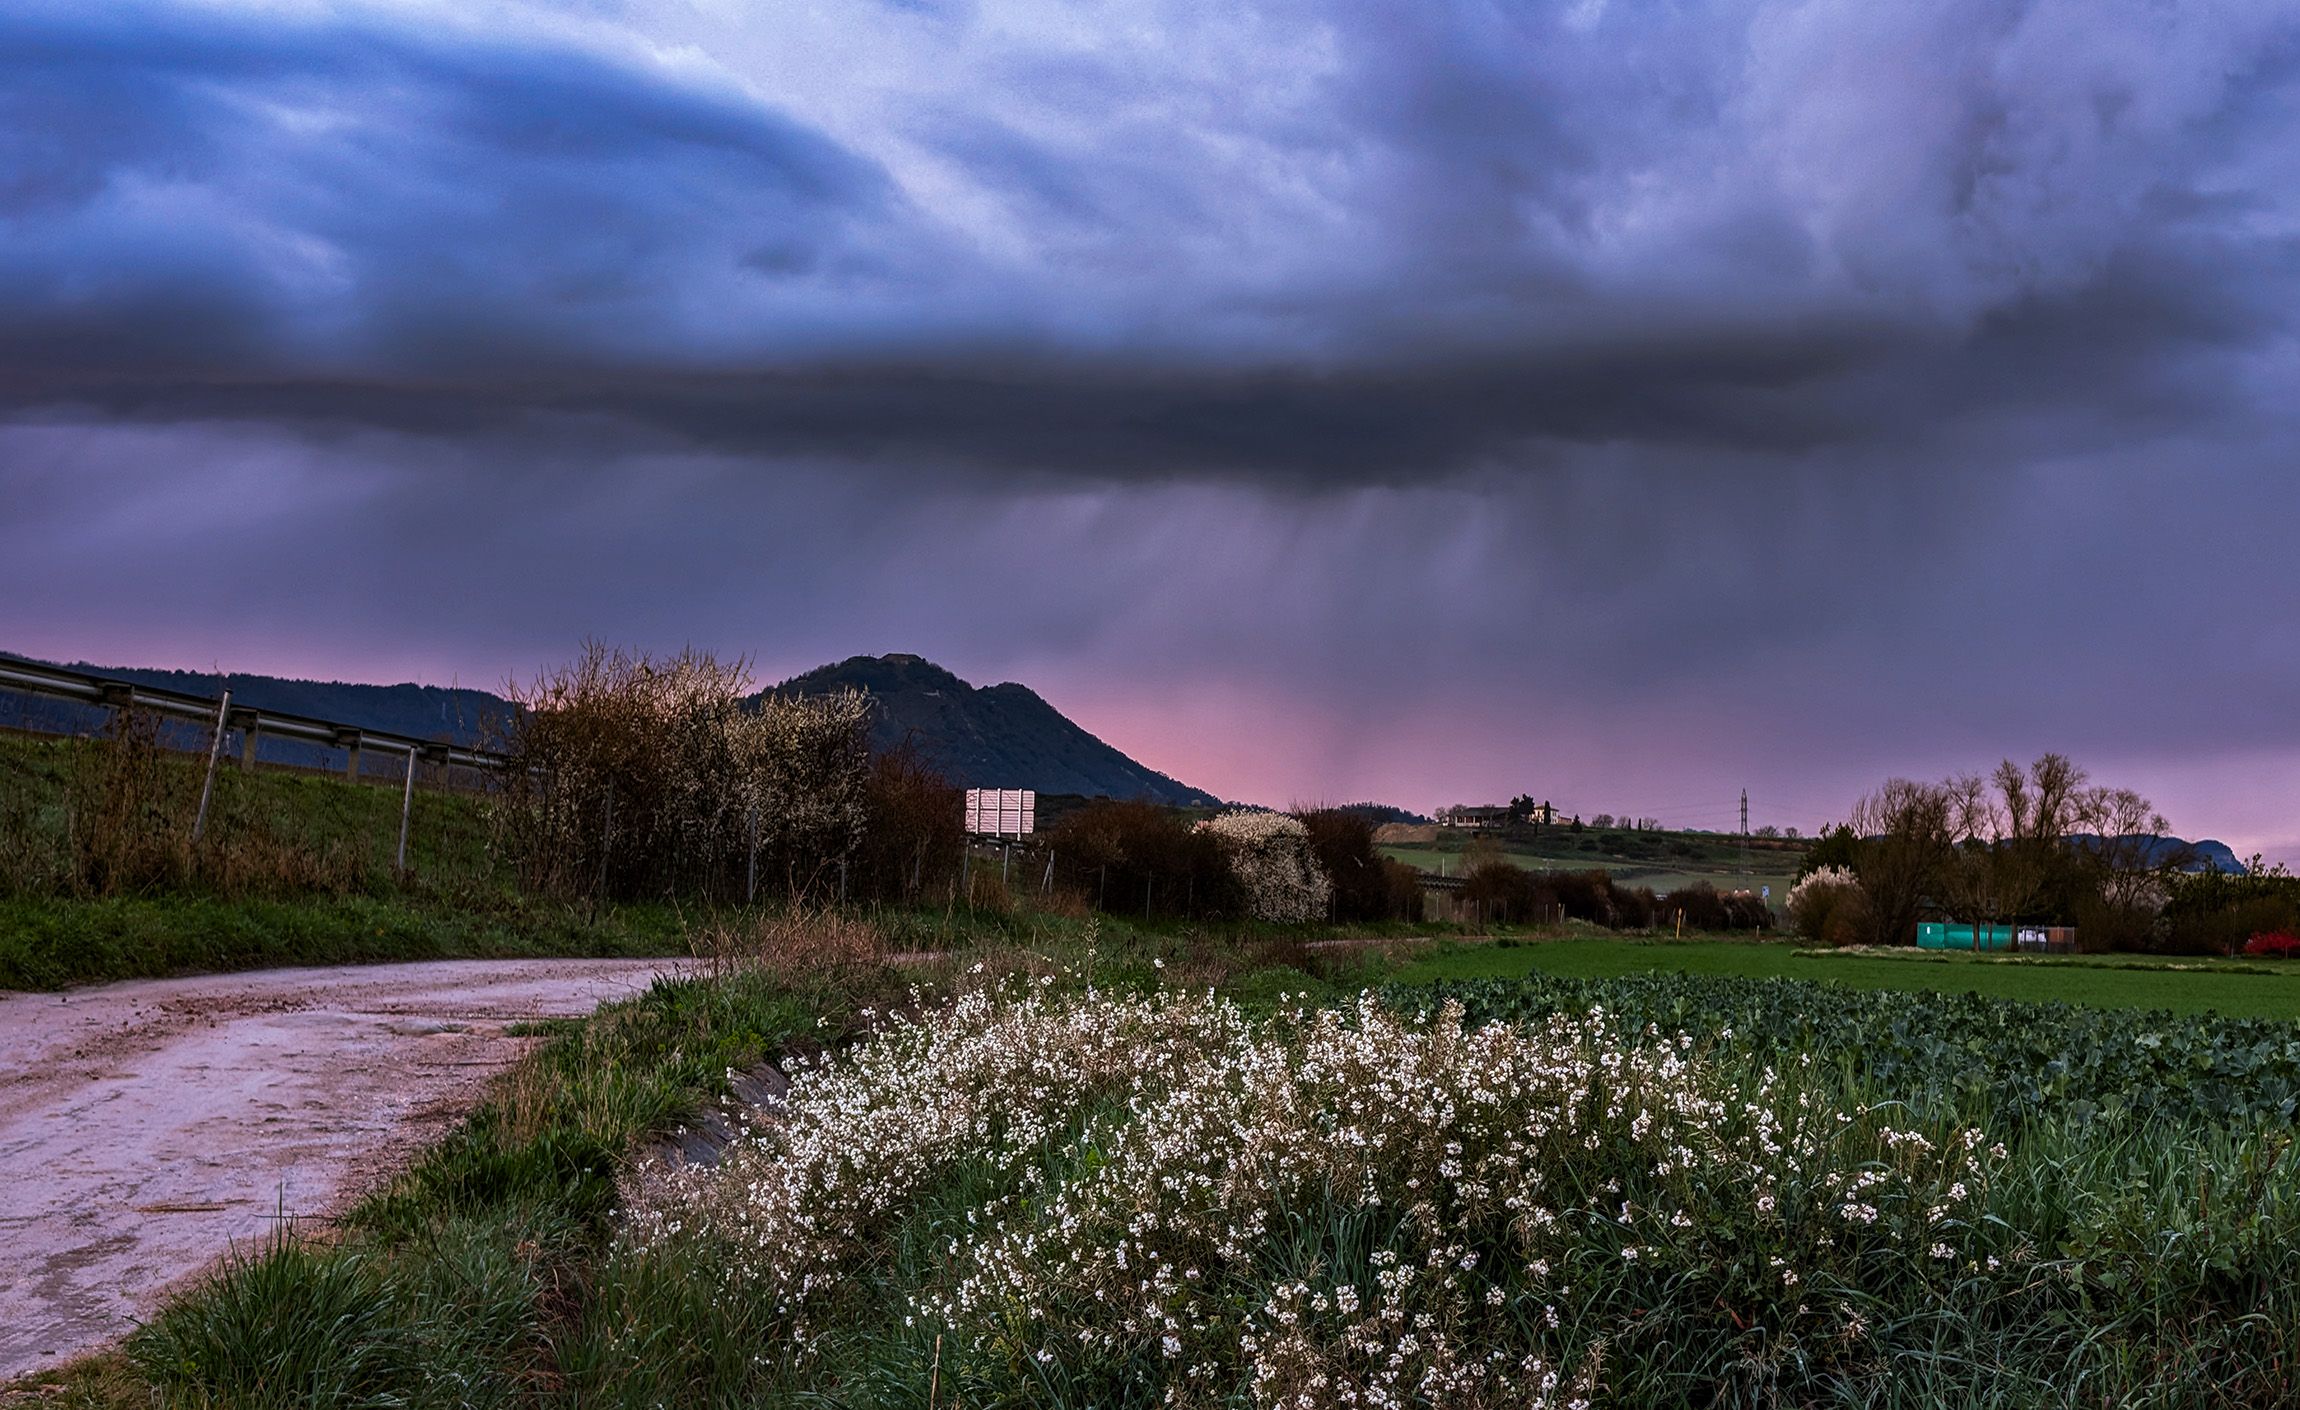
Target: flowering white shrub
(1330, 1208)
(989, 1079)
(1270, 855)
(1828, 905)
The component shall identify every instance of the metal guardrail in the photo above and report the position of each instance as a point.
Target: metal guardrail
(56, 683)
(219, 716)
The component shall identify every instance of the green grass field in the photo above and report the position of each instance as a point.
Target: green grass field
(298, 868)
(2235, 989)
(1664, 861)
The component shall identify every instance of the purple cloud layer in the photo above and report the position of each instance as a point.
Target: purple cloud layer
(1323, 400)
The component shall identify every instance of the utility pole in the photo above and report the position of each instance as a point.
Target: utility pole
(1744, 839)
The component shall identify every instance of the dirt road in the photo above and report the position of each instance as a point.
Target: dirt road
(146, 1127)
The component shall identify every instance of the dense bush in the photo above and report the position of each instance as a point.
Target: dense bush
(632, 778)
(913, 832)
(2215, 912)
(1367, 885)
(1595, 897)
(1583, 895)
(1501, 891)
(1137, 857)
(1828, 907)
(2274, 944)
(2104, 925)
(1704, 907)
(1506, 894)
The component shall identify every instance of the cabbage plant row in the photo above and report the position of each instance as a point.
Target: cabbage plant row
(2011, 1062)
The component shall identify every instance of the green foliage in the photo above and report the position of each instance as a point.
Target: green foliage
(1938, 1054)
(53, 942)
(287, 1326)
(1835, 847)
(2144, 1224)
(296, 1325)
(2086, 1262)
(2243, 990)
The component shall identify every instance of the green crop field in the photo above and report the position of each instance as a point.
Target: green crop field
(2236, 989)
(1079, 1186)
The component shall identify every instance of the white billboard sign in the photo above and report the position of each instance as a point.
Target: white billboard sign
(1002, 812)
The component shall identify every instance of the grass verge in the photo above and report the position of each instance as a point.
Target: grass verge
(457, 1283)
(55, 942)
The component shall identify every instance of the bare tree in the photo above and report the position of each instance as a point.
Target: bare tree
(2125, 846)
(1973, 876)
(2024, 830)
(1908, 836)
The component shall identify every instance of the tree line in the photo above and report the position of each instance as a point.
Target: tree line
(637, 778)
(2040, 845)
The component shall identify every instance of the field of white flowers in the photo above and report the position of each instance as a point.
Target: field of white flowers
(1038, 1196)
(1022, 1186)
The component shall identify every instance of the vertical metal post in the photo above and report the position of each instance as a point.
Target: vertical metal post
(1005, 858)
(208, 785)
(606, 846)
(248, 742)
(1046, 887)
(406, 803)
(351, 760)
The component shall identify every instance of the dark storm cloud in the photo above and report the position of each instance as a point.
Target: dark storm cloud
(1389, 245)
(1323, 398)
(195, 198)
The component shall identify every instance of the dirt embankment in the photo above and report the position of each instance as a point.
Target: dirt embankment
(147, 1127)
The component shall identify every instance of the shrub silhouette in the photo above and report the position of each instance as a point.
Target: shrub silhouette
(632, 778)
(1139, 858)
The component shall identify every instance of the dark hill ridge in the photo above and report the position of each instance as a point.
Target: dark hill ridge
(459, 715)
(999, 736)
(2209, 855)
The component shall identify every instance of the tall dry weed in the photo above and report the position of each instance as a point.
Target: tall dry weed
(790, 945)
(129, 809)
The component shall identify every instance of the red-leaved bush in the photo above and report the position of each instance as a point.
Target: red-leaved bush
(2274, 945)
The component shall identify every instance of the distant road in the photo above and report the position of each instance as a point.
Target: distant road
(146, 1127)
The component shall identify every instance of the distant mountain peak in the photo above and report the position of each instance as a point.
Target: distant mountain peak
(999, 736)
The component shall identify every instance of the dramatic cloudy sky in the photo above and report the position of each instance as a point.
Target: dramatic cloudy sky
(1623, 402)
